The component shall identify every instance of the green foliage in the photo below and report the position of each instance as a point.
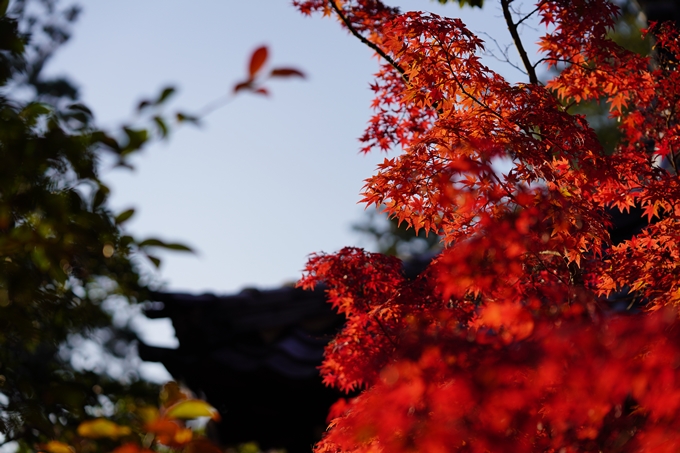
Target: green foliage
(64, 255)
(63, 251)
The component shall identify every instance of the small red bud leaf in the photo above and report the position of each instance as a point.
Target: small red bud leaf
(257, 60)
(287, 72)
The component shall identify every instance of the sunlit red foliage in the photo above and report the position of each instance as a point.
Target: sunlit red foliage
(507, 342)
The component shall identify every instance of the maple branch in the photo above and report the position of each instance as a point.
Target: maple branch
(382, 327)
(370, 44)
(545, 266)
(504, 52)
(215, 104)
(460, 84)
(672, 159)
(512, 27)
(563, 60)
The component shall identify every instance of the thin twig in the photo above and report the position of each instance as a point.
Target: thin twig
(215, 104)
(504, 52)
(370, 44)
(531, 13)
(460, 85)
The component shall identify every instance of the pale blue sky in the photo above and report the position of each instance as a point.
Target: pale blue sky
(265, 181)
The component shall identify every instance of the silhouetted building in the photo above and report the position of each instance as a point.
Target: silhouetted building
(254, 356)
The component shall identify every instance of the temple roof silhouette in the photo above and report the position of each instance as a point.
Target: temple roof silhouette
(254, 356)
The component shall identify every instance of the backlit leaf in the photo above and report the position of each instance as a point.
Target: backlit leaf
(192, 408)
(257, 60)
(152, 242)
(102, 428)
(54, 446)
(165, 95)
(287, 72)
(124, 216)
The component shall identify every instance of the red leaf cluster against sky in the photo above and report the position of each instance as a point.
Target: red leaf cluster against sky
(507, 343)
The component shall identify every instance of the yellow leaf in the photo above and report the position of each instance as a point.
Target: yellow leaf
(101, 427)
(192, 409)
(147, 413)
(54, 446)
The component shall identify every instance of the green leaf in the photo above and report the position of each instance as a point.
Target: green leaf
(107, 140)
(136, 139)
(153, 242)
(156, 261)
(165, 94)
(81, 108)
(183, 117)
(3, 7)
(100, 196)
(162, 127)
(33, 111)
(178, 247)
(143, 104)
(123, 216)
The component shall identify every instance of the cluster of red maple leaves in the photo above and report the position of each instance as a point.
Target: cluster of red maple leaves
(507, 342)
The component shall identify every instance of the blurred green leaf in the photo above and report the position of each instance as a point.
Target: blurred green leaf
(155, 260)
(136, 139)
(100, 196)
(81, 108)
(183, 117)
(63, 250)
(33, 110)
(153, 242)
(165, 94)
(125, 215)
(162, 127)
(143, 104)
(178, 247)
(104, 139)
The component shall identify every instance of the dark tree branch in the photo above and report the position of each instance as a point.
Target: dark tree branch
(370, 44)
(512, 27)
